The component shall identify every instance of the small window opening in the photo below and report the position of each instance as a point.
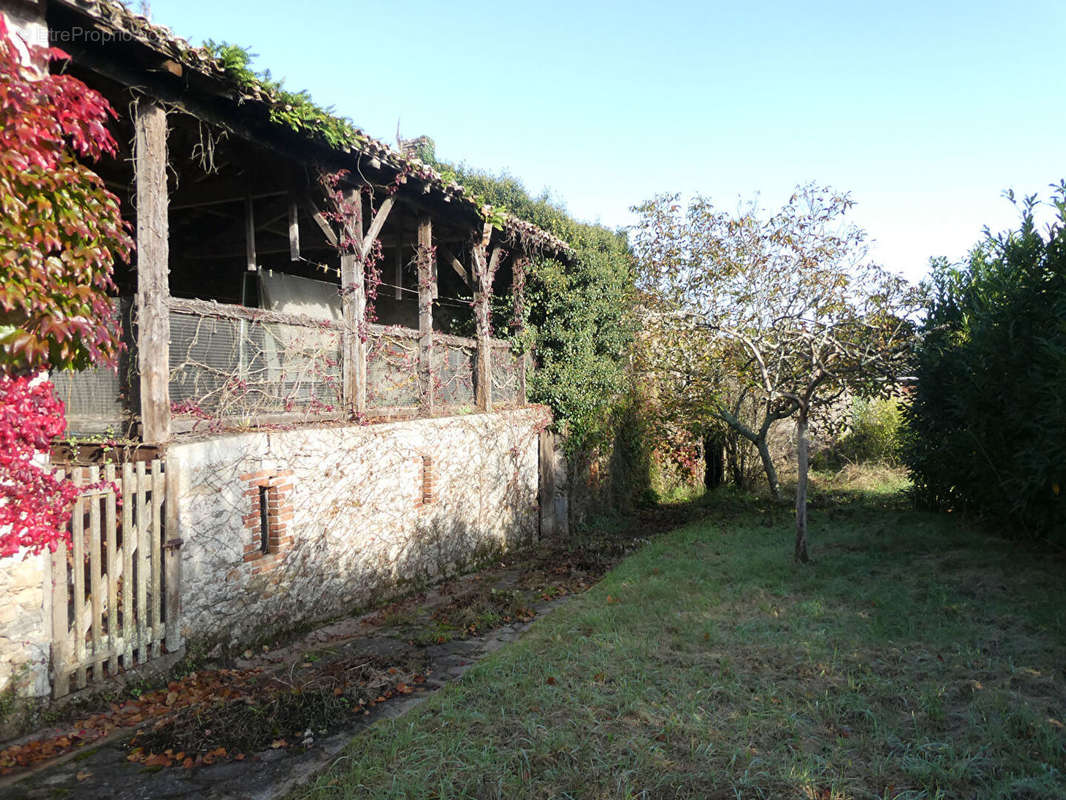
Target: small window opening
(427, 480)
(264, 519)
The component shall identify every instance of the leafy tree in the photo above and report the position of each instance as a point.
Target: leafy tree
(783, 308)
(986, 421)
(59, 232)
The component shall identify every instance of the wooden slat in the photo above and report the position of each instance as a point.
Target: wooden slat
(153, 319)
(142, 564)
(172, 563)
(249, 235)
(129, 545)
(95, 584)
(294, 231)
(398, 278)
(157, 557)
(425, 313)
(113, 566)
(77, 534)
(60, 624)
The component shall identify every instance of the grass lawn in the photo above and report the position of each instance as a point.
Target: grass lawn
(915, 658)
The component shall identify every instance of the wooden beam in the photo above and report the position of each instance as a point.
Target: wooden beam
(455, 264)
(268, 225)
(153, 255)
(377, 223)
(249, 235)
(321, 221)
(353, 303)
(294, 231)
(224, 201)
(399, 274)
(425, 313)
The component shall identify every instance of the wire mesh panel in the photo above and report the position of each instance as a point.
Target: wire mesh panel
(102, 399)
(454, 367)
(392, 368)
(505, 375)
(236, 368)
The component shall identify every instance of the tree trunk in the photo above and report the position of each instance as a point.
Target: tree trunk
(713, 466)
(759, 440)
(801, 488)
(769, 468)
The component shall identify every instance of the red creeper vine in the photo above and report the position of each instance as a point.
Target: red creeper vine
(60, 230)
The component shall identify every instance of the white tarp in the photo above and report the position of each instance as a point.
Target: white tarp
(293, 295)
(296, 354)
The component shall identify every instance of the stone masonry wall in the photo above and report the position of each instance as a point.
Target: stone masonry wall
(285, 527)
(25, 624)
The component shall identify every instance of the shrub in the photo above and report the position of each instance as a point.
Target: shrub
(986, 423)
(873, 436)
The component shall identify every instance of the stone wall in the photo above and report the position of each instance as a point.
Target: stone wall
(25, 624)
(286, 527)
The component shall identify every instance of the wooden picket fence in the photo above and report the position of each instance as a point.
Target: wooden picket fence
(118, 586)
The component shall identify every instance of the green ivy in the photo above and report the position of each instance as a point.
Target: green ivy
(579, 319)
(295, 110)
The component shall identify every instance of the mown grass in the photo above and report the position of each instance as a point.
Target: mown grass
(916, 658)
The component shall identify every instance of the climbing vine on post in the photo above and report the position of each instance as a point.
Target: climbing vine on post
(59, 232)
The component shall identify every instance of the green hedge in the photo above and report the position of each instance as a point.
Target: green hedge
(986, 425)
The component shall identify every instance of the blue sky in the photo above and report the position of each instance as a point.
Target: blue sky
(925, 111)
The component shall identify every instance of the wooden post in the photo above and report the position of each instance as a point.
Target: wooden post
(546, 493)
(353, 302)
(153, 316)
(518, 288)
(484, 268)
(426, 287)
(523, 373)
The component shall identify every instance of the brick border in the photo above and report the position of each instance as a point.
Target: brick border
(428, 495)
(278, 485)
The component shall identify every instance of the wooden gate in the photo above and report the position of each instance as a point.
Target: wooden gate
(118, 586)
